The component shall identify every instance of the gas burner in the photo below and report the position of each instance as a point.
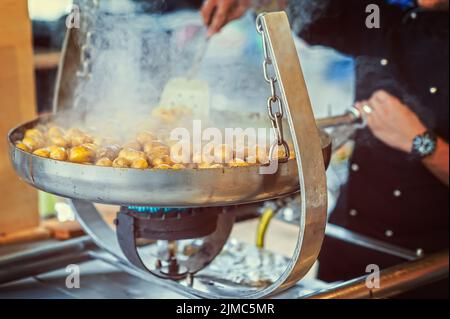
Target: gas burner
(170, 223)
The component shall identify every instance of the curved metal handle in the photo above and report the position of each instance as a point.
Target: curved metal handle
(305, 135)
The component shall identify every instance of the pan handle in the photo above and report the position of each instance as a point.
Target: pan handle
(352, 117)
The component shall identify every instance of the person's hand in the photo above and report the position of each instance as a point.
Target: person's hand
(217, 13)
(391, 121)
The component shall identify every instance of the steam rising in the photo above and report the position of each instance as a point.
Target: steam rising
(136, 50)
(304, 12)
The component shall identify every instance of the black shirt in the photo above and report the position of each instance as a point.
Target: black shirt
(389, 195)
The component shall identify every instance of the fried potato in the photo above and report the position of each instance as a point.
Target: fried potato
(159, 151)
(33, 143)
(149, 147)
(131, 154)
(209, 165)
(104, 162)
(42, 152)
(121, 162)
(58, 153)
(59, 140)
(77, 137)
(81, 154)
(162, 160)
(238, 163)
(34, 134)
(109, 152)
(139, 163)
(22, 147)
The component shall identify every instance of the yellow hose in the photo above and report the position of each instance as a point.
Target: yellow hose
(264, 221)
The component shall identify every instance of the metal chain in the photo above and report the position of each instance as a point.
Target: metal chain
(276, 117)
(86, 52)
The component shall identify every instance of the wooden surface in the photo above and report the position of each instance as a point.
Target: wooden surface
(17, 104)
(34, 234)
(63, 230)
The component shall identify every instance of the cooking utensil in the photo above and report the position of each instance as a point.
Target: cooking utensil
(161, 188)
(189, 91)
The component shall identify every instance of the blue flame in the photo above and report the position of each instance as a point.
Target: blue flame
(154, 210)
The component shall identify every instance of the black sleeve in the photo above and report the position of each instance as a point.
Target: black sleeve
(341, 24)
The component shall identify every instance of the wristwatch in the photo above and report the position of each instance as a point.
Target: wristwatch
(424, 145)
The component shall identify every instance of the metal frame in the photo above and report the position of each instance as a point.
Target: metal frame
(393, 281)
(305, 136)
(309, 161)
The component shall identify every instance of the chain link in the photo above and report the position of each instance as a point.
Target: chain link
(89, 7)
(276, 117)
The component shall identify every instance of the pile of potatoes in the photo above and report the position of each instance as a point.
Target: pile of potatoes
(145, 151)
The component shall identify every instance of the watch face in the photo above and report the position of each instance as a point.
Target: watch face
(424, 145)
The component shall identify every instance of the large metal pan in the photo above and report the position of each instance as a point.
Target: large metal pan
(160, 188)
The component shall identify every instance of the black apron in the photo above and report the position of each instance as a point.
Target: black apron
(389, 196)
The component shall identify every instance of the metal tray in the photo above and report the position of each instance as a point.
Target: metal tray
(159, 188)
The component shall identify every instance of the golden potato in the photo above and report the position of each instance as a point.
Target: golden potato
(209, 165)
(42, 152)
(131, 154)
(58, 153)
(162, 160)
(81, 154)
(148, 147)
(139, 163)
(58, 141)
(22, 147)
(34, 134)
(77, 137)
(281, 153)
(110, 152)
(238, 163)
(33, 143)
(159, 151)
(121, 162)
(178, 166)
(81, 139)
(105, 162)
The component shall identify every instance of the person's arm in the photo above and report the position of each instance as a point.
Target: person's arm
(396, 125)
(340, 24)
(217, 13)
(438, 162)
